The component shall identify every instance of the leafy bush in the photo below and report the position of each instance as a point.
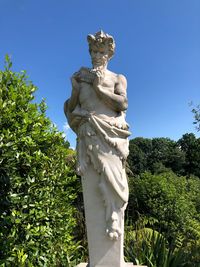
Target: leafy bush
(36, 185)
(173, 202)
(146, 246)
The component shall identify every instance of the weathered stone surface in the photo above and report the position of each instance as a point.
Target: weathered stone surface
(96, 113)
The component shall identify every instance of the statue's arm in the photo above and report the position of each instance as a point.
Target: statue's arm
(120, 91)
(74, 99)
(71, 104)
(117, 100)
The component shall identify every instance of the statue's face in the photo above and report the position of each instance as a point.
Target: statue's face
(99, 56)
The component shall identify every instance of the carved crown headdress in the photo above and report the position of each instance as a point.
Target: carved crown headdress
(99, 40)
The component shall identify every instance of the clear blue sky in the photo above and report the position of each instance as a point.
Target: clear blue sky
(157, 49)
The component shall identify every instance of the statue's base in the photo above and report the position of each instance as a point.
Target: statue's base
(126, 264)
(103, 252)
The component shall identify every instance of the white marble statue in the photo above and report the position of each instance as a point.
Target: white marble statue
(96, 113)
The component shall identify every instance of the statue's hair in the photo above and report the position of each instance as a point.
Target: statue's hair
(99, 40)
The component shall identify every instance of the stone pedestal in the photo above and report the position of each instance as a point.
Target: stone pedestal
(103, 252)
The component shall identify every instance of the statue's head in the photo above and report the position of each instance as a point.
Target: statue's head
(101, 47)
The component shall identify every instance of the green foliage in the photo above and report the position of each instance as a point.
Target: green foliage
(196, 112)
(36, 185)
(173, 202)
(156, 155)
(159, 191)
(190, 145)
(146, 246)
(140, 150)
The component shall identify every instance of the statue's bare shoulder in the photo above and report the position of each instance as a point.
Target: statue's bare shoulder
(120, 83)
(119, 78)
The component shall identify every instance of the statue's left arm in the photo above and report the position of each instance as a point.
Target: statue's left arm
(116, 100)
(72, 103)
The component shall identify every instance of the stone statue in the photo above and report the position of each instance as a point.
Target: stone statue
(96, 113)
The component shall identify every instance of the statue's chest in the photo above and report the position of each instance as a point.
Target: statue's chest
(108, 83)
(87, 93)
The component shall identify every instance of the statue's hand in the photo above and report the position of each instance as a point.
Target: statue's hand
(98, 79)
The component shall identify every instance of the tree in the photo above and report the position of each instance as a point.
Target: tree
(166, 152)
(196, 112)
(140, 149)
(155, 155)
(36, 185)
(190, 145)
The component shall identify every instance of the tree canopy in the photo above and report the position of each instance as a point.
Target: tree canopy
(196, 112)
(160, 154)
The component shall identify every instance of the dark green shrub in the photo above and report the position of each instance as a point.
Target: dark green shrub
(173, 203)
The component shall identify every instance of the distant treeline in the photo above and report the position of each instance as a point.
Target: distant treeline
(160, 154)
